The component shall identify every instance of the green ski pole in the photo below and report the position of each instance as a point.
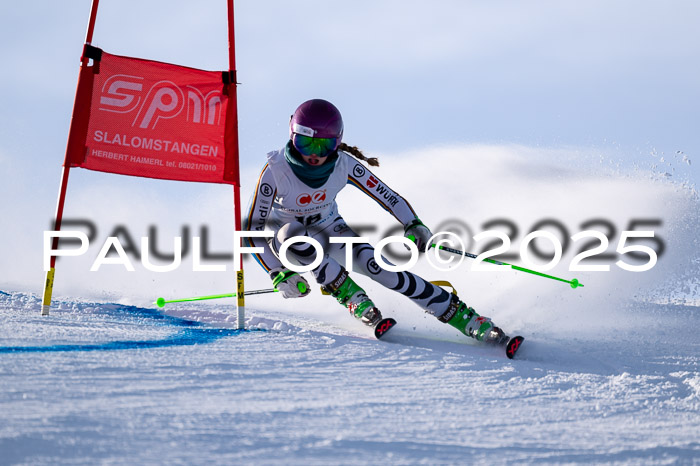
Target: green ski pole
(160, 302)
(574, 283)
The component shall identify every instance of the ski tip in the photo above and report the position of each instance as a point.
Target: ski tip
(513, 346)
(383, 326)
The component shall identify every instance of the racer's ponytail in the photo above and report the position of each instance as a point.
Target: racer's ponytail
(357, 153)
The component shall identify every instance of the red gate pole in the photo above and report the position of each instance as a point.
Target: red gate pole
(48, 286)
(240, 287)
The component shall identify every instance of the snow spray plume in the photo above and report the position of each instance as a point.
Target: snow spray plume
(536, 184)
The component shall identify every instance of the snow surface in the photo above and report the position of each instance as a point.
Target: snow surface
(301, 392)
(608, 374)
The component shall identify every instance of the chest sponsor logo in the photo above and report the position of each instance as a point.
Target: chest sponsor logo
(305, 199)
(342, 226)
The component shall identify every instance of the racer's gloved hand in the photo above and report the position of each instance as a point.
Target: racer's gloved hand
(418, 233)
(290, 284)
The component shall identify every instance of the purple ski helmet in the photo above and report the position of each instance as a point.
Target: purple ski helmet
(317, 118)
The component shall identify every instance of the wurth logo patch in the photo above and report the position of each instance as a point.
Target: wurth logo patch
(372, 182)
(390, 198)
(163, 100)
(317, 197)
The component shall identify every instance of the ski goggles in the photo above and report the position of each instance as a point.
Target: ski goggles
(321, 147)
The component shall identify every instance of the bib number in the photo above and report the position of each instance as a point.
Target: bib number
(310, 220)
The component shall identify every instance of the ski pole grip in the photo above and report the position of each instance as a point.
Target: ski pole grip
(301, 287)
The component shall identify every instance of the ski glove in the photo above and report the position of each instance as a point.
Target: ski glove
(418, 233)
(290, 284)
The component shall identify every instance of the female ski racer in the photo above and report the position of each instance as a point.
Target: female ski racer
(295, 196)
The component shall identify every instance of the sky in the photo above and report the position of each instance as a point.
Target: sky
(405, 74)
(614, 78)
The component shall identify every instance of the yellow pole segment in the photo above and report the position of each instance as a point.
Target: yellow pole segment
(48, 291)
(240, 300)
